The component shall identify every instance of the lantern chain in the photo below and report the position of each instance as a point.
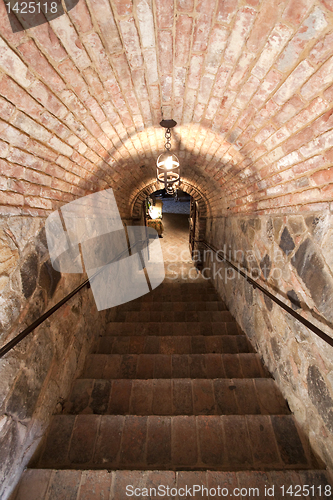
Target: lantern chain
(168, 139)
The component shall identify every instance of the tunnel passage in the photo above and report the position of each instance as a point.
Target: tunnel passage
(81, 98)
(172, 394)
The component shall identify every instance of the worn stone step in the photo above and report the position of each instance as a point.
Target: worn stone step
(185, 344)
(41, 484)
(176, 397)
(200, 305)
(145, 366)
(155, 316)
(173, 328)
(185, 286)
(179, 296)
(227, 442)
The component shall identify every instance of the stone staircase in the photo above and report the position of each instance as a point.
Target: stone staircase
(174, 396)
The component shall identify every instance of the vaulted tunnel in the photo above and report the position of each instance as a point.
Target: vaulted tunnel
(250, 84)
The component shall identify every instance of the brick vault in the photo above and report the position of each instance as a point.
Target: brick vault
(250, 84)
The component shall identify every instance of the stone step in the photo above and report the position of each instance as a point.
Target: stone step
(227, 442)
(173, 316)
(179, 296)
(173, 328)
(145, 366)
(185, 286)
(176, 397)
(179, 288)
(40, 484)
(200, 305)
(198, 344)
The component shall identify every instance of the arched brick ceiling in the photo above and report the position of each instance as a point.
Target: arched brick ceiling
(249, 83)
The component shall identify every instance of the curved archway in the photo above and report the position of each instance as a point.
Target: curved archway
(188, 188)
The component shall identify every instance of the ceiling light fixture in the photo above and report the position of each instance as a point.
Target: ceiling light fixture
(168, 169)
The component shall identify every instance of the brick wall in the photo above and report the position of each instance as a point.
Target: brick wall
(37, 374)
(291, 256)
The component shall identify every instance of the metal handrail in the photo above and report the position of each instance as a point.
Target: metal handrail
(12, 343)
(284, 306)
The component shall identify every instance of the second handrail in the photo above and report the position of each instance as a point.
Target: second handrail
(284, 306)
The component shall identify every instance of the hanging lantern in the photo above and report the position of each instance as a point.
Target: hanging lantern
(168, 170)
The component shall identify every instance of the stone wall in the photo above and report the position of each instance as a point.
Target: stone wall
(290, 255)
(36, 376)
